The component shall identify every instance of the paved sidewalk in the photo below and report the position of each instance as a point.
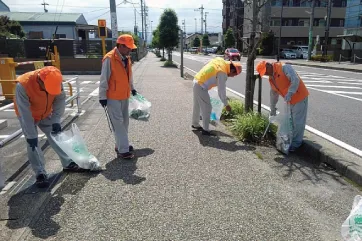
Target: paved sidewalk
(184, 186)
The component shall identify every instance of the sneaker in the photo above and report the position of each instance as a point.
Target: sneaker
(42, 181)
(73, 167)
(207, 133)
(130, 149)
(198, 128)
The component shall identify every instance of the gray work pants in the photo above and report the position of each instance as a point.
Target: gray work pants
(118, 113)
(299, 116)
(36, 157)
(201, 102)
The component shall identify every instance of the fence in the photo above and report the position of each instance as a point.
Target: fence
(68, 48)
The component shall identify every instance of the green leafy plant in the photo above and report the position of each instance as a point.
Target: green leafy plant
(319, 57)
(249, 126)
(163, 59)
(237, 108)
(229, 38)
(169, 63)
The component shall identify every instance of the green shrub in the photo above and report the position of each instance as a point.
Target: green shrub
(163, 59)
(170, 64)
(249, 126)
(237, 108)
(319, 57)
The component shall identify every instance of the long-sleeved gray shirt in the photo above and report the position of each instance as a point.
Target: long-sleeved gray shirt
(26, 118)
(219, 80)
(294, 80)
(106, 73)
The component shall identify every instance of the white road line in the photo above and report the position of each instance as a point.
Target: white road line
(94, 92)
(317, 81)
(349, 83)
(22, 136)
(85, 82)
(335, 86)
(309, 128)
(97, 83)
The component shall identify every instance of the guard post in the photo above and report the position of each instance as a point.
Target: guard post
(102, 33)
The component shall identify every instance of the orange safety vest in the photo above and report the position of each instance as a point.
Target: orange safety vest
(283, 84)
(41, 102)
(119, 81)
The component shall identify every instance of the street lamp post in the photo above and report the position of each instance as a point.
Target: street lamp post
(311, 22)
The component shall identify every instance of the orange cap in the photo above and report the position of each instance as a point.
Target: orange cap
(261, 68)
(127, 40)
(237, 67)
(52, 79)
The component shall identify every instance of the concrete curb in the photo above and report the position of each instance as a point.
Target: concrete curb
(319, 151)
(326, 67)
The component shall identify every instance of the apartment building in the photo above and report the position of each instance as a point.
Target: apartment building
(295, 16)
(233, 16)
(353, 25)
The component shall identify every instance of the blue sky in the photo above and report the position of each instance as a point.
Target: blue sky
(96, 9)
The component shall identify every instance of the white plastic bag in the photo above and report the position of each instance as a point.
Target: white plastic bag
(72, 143)
(216, 104)
(285, 129)
(351, 229)
(139, 107)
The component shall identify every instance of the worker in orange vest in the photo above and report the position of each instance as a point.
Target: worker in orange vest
(40, 101)
(286, 82)
(115, 87)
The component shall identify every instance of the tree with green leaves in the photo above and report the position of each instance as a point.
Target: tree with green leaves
(229, 38)
(10, 28)
(196, 42)
(205, 40)
(169, 31)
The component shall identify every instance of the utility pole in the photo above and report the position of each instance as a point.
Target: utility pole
(184, 32)
(146, 15)
(206, 13)
(280, 31)
(142, 19)
(202, 17)
(311, 23)
(44, 3)
(114, 26)
(135, 23)
(328, 23)
(195, 25)
(182, 53)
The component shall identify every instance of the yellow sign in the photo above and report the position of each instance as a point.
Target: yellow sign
(101, 23)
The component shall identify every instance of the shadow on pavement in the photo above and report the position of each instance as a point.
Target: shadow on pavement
(25, 206)
(215, 142)
(119, 169)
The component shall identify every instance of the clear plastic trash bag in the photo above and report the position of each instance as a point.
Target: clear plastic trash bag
(139, 107)
(72, 143)
(351, 229)
(217, 105)
(285, 129)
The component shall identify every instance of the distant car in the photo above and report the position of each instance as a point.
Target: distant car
(232, 54)
(288, 54)
(301, 51)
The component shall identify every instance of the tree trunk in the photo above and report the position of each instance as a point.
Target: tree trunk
(163, 52)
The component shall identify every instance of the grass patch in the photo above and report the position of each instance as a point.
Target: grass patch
(170, 64)
(259, 155)
(248, 127)
(163, 59)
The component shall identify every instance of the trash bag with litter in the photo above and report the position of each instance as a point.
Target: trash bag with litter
(351, 229)
(139, 107)
(216, 104)
(72, 143)
(285, 129)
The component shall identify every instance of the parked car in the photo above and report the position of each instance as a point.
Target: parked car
(288, 54)
(301, 51)
(194, 49)
(232, 54)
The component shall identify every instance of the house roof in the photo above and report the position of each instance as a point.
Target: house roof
(45, 17)
(4, 6)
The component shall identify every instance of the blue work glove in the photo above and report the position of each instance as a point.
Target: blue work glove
(288, 97)
(32, 143)
(134, 92)
(56, 128)
(103, 103)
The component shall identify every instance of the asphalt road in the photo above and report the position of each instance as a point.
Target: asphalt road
(335, 100)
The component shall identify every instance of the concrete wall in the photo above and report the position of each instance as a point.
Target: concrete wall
(48, 30)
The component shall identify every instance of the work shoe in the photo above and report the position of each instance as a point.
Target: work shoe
(130, 149)
(207, 133)
(42, 181)
(73, 167)
(126, 156)
(198, 128)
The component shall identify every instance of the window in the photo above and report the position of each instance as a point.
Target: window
(58, 36)
(275, 22)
